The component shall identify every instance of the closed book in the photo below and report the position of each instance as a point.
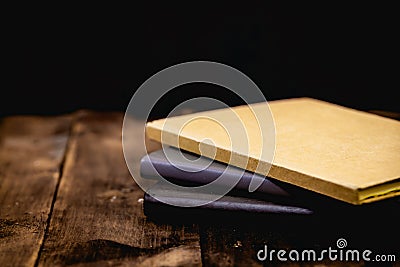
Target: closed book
(183, 167)
(349, 155)
(155, 207)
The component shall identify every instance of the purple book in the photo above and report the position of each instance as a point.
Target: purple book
(225, 206)
(183, 167)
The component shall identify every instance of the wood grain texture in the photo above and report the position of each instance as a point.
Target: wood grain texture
(31, 153)
(97, 220)
(97, 217)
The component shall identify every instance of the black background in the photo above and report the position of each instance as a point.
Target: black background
(66, 58)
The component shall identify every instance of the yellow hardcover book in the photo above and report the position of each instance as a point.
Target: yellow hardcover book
(343, 153)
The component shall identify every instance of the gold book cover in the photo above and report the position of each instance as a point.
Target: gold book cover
(343, 153)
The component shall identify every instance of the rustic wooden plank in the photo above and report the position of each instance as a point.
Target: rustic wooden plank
(97, 217)
(31, 152)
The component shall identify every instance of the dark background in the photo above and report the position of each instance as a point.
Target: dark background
(68, 58)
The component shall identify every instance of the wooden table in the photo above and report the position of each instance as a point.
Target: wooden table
(67, 198)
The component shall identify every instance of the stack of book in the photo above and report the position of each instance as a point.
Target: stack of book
(327, 160)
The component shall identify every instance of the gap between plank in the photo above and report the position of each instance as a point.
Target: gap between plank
(60, 175)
